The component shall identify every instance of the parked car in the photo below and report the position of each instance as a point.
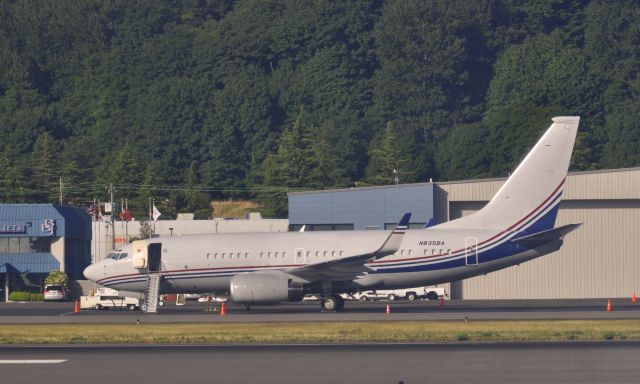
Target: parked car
(54, 292)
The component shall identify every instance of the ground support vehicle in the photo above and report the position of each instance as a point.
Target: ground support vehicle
(106, 298)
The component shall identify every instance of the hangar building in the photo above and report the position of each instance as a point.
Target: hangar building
(597, 260)
(38, 238)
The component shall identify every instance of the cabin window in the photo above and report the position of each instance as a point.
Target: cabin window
(268, 255)
(402, 252)
(411, 252)
(246, 255)
(433, 252)
(325, 253)
(333, 253)
(308, 253)
(261, 255)
(223, 254)
(341, 253)
(441, 251)
(317, 253)
(208, 255)
(425, 252)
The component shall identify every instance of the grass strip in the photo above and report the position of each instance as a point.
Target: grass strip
(321, 332)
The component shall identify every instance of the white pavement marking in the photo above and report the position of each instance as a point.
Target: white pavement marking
(32, 361)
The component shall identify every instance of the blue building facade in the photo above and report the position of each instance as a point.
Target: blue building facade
(38, 238)
(361, 208)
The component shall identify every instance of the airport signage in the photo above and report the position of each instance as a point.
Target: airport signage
(44, 227)
(13, 228)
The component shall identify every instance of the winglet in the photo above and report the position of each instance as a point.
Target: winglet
(430, 223)
(392, 244)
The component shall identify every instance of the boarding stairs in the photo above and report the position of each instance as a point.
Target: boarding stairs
(152, 292)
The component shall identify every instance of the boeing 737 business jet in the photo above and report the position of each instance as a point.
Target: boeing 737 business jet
(517, 225)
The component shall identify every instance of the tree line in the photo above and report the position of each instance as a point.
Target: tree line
(188, 101)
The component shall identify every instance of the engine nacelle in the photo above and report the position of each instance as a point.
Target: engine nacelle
(263, 288)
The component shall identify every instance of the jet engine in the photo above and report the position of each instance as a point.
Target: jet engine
(263, 288)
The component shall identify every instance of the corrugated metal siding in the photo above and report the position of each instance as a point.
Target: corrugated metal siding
(363, 206)
(605, 185)
(69, 221)
(28, 262)
(597, 260)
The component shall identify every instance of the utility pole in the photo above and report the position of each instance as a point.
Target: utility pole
(110, 190)
(61, 189)
(150, 216)
(126, 220)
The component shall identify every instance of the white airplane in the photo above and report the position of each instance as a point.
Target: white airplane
(517, 225)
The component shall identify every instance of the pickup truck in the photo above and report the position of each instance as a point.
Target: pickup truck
(106, 302)
(428, 293)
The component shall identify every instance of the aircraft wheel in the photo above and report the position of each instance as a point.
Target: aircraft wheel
(432, 295)
(411, 296)
(392, 297)
(330, 303)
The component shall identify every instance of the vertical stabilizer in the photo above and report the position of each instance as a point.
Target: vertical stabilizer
(532, 193)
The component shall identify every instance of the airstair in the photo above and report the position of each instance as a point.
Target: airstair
(151, 294)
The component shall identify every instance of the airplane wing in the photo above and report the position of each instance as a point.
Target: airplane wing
(351, 266)
(544, 237)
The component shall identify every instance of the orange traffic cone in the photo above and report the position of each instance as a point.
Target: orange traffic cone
(633, 298)
(609, 309)
(222, 311)
(76, 309)
(388, 309)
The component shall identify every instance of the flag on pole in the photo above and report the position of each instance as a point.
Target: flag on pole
(156, 213)
(127, 215)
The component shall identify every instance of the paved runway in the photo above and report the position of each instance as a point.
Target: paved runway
(566, 362)
(354, 311)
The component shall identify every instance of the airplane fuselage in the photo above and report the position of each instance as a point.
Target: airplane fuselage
(206, 263)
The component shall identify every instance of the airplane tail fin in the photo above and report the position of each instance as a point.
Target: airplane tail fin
(530, 196)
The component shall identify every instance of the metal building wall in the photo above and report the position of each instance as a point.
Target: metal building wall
(363, 207)
(597, 260)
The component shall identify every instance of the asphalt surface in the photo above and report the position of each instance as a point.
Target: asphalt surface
(565, 362)
(310, 311)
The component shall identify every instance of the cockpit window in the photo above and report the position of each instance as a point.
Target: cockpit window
(117, 256)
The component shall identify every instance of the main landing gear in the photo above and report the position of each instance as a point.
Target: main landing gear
(332, 303)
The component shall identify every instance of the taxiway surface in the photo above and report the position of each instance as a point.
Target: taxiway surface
(310, 311)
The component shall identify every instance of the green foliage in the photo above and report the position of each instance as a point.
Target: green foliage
(57, 277)
(36, 297)
(186, 102)
(26, 296)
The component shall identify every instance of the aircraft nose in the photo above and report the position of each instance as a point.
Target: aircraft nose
(91, 272)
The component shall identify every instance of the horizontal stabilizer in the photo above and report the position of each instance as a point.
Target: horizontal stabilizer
(545, 237)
